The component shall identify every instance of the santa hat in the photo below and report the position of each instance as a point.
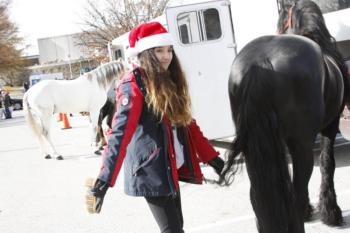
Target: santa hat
(146, 36)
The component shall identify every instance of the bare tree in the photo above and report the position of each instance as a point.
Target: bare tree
(11, 62)
(112, 18)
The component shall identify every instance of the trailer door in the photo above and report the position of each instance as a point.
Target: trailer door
(204, 43)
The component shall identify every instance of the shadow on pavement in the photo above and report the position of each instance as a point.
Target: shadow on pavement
(346, 223)
(81, 156)
(14, 121)
(20, 149)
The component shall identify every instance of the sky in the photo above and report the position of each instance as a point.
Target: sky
(46, 18)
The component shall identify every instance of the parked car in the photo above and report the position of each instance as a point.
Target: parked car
(17, 103)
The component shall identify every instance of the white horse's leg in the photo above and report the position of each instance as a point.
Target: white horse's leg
(33, 118)
(41, 139)
(41, 136)
(42, 146)
(46, 123)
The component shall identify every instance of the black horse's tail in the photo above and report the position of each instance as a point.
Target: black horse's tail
(259, 140)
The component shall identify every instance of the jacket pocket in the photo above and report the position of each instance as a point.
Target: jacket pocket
(147, 161)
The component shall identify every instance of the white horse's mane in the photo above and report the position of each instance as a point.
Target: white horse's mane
(106, 72)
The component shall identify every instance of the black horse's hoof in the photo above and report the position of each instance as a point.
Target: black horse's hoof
(97, 152)
(308, 213)
(48, 156)
(332, 217)
(59, 157)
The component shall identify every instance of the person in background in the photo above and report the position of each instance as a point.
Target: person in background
(1, 105)
(153, 132)
(25, 86)
(7, 105)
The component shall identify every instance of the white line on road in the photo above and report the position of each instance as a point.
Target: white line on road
(335, 145)
(341, 144)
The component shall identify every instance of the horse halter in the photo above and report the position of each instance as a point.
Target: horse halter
(288, 24)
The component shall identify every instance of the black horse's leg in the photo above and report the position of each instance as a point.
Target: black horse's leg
(303, 161)
(328, 207)
(104, 111)
(99, 125)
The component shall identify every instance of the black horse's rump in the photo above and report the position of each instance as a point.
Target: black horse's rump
(283, 91)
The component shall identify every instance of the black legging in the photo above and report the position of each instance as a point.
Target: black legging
(167, 212)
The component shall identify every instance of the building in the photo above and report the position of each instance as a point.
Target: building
(62, 54)
(32, 60)
(61, 48)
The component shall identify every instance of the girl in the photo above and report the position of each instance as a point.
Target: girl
(153, 132)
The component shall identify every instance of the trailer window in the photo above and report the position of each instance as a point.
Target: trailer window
(198, 26)
(118, 54)
(212, 24)
(184, 34)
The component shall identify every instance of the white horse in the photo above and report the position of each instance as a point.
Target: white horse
(87, 93)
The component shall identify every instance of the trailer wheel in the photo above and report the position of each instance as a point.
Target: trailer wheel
(17, 106)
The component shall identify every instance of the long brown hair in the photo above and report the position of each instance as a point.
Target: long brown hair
(167, 90)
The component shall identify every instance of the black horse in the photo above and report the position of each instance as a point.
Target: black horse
(284, 90)
(107, 111)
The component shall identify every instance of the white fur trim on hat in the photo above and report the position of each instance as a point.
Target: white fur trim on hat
(131, 52)
(153, 41)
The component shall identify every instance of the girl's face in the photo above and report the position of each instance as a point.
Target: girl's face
(164, 55)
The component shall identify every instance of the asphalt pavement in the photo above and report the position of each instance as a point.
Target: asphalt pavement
(47, 196)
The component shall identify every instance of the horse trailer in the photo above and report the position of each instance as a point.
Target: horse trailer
(209, 34)
(35, 78)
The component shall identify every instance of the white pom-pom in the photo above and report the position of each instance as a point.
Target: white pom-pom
(132, 52)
